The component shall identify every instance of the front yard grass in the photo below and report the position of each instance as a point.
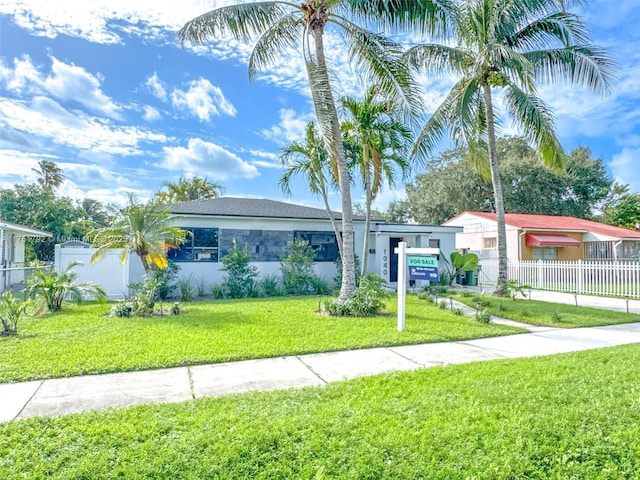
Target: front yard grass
(570, 416)
(535, 312)
(81, 340)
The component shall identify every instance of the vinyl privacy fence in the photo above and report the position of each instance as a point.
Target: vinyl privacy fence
(608, 278)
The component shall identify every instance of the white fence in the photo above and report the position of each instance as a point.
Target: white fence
(619, 279)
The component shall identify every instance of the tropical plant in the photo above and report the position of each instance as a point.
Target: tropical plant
(369, 299)
(297, 268)
(278, 26)
(188, 190)
(507, 46)
(11, 312)
(240, 274)
(461, 263)
(382, 142)
(310, 159)
(53, 287)
(143, 229)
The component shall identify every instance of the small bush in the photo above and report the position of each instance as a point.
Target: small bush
(269, 286)
(122, 309)
(366, 301)
(483, 316)
(458, 312)
(513, 289)
(165, 278)
(240, 279)
(320, 286)
(217, 291)
(297, 268)
(187, 288)
(201, 287)
(443, 304)
(11, 312)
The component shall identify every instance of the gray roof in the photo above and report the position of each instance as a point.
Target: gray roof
(251, 207)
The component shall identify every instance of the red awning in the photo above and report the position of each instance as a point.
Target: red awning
(550, 240)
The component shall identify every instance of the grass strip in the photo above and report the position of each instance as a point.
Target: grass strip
(81, 340)
(570, 416)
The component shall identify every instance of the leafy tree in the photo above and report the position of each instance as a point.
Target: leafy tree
(626, 212)
(310, 159)
(53, 287)
(508, 45)
(34, 206)
(50, 175)
(143, 229)
(240, 281)
(277, 26)
(297, 268)
(188, 190)
(382, 142)
(450, 184)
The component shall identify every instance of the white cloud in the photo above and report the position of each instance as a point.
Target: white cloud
(291, 127)
(624, 166)
(45, 118)
(208, 159)
(66, 82)
(386, 196)
(202, 99)
(156, 87)
(151, 114)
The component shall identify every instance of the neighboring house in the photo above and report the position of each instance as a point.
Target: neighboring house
(265, 227)
(545, 237)
(12, 253)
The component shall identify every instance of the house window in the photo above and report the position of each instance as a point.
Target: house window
(434, 243)
(490, 243)
(630, 250)
(598, 250)
(324, 243)
(544, 253)
(201, 246)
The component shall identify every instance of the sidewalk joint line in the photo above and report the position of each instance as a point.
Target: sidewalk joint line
(402, 356)
(310, 369)
(191, 385)
(29, 400)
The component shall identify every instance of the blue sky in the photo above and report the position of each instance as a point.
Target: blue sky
(101, 88)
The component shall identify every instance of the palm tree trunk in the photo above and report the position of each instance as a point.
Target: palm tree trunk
(333, 221)
(367, 218)
(330, 126)
(497, 194)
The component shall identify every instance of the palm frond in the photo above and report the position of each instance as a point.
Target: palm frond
(536, 122)
(439, 59)
(243, 22)
(287, 32)
(586, 65)
(547, 32)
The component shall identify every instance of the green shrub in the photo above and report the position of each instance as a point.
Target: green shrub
(201, 287)
(367, 300)
(483, 316)
(240, 279)
(52, 287)
(269, 286)
(11, 312)
(458, 312)
(217, 291)
(513, 289)
(297, 268)
(165, 279)
(186, 288)
(320, 286)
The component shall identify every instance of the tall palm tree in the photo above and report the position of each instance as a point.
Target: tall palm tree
(310, 159)
(188, 190)
(143, 229)
(382, 142)
(50, 174)
(279, 25)
(507, 47)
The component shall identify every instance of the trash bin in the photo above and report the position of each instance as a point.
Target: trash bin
(472, 278)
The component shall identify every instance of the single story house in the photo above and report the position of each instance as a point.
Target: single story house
(265, 227)
(12, 252)
(545, 237)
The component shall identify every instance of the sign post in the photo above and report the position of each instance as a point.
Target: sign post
(420, 268)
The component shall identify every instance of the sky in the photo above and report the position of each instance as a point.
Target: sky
(102, 89)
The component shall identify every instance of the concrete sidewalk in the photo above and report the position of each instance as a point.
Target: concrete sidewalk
(80, 394)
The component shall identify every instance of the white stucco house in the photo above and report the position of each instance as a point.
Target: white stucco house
(12, 253)
(265, 227)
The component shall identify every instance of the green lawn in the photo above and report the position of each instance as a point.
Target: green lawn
(81, 340)
(544, 313)
(570, 416)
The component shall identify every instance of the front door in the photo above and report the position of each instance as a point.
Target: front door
(393, 258)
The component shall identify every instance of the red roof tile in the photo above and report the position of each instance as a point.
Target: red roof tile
(560, 223)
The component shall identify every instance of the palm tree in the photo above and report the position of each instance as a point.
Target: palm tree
(310, 159)
(143, 229)
(382, 142)
(279, 25)
(188, 190)
(508, 46)
(50, 175)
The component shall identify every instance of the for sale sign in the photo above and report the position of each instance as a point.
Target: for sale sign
(423, 268)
